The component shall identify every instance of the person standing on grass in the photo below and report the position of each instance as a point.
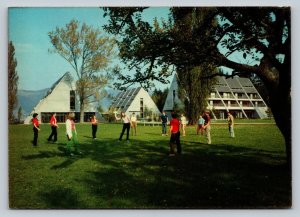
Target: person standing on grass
(164, 121)
(133, 123)
(175, 135)
(183, 124)
(206, 126)
(72, 134)
(54, 126)
(36, 128)
(94, 123)
(126, 125)
(200, 125)
(230, 121)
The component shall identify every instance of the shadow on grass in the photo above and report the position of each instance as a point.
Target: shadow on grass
(61, 198)
(139, 174)
(43, 154)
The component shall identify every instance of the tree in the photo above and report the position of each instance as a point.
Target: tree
(20, 114)
(194, 91)
(159, 97)
(89, 52)
(263, 35)
(258, 35)
(13, 79)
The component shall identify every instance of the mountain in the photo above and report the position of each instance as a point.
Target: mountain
(107, 101)
(28, 99)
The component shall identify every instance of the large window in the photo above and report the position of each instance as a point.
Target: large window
(60, 116)
(142, 107)
(72, 100)
(174, 94)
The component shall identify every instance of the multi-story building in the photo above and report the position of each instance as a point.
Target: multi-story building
(237, 95)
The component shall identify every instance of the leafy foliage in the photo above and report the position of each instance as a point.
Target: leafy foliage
(159, 97)
(194, 90)
(89, 52)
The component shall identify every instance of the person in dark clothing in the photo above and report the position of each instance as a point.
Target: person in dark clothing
(126, 125)
(164, 121)
(54, 126)
(94, 122)
(36, 128)
(175, 135)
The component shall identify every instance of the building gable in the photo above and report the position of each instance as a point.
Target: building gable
(134, 100)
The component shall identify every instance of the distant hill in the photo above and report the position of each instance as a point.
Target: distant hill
(28, 99)
(107, 101)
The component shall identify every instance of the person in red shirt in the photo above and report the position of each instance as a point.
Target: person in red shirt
(175, 135)
(54, 126)
(94, 123)
(36, 129)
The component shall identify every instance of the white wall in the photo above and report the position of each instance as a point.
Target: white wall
(148, 102)
(58, 100)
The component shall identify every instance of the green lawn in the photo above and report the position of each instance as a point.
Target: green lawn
(245, 172)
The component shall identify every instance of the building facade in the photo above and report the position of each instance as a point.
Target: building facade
(135, 100)
(237, 95)
(62, 99)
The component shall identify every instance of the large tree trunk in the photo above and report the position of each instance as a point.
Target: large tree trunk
(81, 112)
(280, 104)
(81, 100)
(281, 108)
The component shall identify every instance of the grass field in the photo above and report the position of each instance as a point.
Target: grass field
(245, 172)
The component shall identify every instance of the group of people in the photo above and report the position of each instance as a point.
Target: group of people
(131, 122)
(180, 123)
(71, 132)
(128, 122)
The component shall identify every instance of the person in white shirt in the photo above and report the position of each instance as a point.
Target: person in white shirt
(183, 124)
(133, 123)
(72, 134)
(230, 121)
(126, 125)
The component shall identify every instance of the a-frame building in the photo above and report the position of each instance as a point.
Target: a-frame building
(135, 100)
(62, 99)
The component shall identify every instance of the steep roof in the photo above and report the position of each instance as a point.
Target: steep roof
(125, 98)
(235, 84)
(66, 77)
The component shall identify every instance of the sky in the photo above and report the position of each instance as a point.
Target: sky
(28, 29)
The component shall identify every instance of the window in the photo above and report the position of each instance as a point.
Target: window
(174, 94)
(142, 107)
(72, 100)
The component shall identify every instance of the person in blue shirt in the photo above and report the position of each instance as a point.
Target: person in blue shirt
(164, 121)
(200, 125)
